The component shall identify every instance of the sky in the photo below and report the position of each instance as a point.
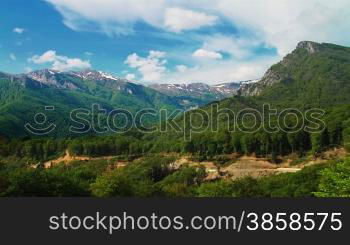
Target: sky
(165, 41)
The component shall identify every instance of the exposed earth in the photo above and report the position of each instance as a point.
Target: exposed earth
(235, 168)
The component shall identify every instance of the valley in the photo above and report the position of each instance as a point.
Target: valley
(241, 158)
(234, 167)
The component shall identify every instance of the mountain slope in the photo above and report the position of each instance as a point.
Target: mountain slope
(198, 94)
(312, 75)
(22, 96)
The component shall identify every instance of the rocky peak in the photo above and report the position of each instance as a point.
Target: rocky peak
(95, 75)
(45, 76)
(274, 74)
(43, 72)
(198, 89)
(310, 47)
(51, 78)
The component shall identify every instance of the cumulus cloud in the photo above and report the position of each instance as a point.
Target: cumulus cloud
(282, 24)
(18, 30)
(13, 57)
(202, 53)
(223, 71)
(60, 63)
(28, 69)
(130, 76)
(178, 19)
(238, 48)
(152, 67)
(278, 24)
(109, 16)
(119, 17)
(181, 68)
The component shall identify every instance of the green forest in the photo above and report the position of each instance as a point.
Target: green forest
(152, 177)
(304, 82)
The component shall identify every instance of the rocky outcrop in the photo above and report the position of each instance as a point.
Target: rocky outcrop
(310, 47)
(274, 74)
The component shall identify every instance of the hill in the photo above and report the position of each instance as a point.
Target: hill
(205, 164)
(24, 95)
(313, 74)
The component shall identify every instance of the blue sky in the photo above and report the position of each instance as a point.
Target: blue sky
(164, 40)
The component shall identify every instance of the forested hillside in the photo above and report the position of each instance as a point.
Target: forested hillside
(313, 82)
(22, 96)
(313, 75)
(307, 69)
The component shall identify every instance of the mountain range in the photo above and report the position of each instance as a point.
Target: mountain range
(313, 74)
(200, 93)
(24, 95)
(308, 92)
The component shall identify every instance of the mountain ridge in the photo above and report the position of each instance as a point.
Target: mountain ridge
(312, 76)
(203, 92)
(188, 96)
(306, 52)
(24, 95)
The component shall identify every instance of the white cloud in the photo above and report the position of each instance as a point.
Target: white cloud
(130, 76)
(28, 69)
(223, 71)
(219, 71)
(13, 57)
(202, 53)
(181, 68)
(279, 23)
(47, 57)
(109, 16)
(178, 19)
(282, 24)
(60, 63)
(89, 53)
(119, 17)
(238, 48)
(152, 67)
(18, 30)
(154, 54)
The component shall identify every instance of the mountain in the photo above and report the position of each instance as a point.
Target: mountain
(24, 95)
(83, 81)
(197, 94)
(314, 74)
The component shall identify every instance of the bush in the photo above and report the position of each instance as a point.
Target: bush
(41, 183)
(335, 180)
(220, 188)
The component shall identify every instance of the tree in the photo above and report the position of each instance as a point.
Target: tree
(189, 147)
(220, 188)
(335, 181)
(320, 141)
(41, 183)
(112, 184)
